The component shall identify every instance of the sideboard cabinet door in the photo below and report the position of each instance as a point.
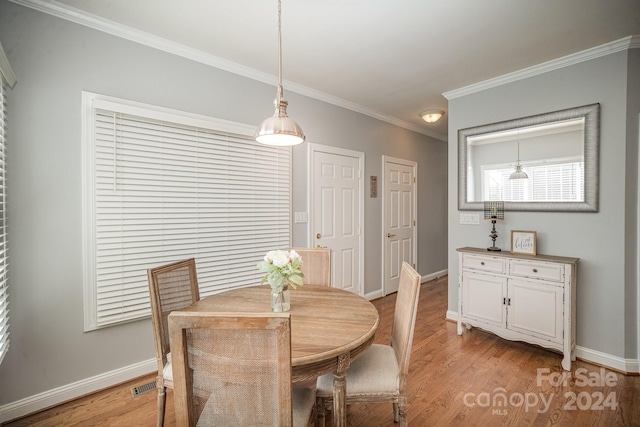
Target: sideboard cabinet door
(535, 309)
(482, 298)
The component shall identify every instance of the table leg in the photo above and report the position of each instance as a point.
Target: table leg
(340, 391)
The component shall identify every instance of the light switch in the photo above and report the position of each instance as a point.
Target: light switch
(300, 217)
(467, 218)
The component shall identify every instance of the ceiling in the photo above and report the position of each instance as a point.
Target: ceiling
(388, 59)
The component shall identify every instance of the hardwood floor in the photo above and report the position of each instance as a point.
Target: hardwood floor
(477, 379)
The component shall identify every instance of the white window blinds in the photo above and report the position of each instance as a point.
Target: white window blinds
(7, 79)
(165, 186)
(558, 180)
(4, 284)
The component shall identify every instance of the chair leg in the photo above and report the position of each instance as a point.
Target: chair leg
(162, 398)
(401, 413)
(321, 412)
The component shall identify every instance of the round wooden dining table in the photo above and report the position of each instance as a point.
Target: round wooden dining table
(329, 328)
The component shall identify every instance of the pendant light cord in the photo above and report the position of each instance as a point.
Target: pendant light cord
(280, 94)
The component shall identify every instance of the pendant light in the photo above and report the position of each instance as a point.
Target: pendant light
(518, 173)
(279, 129)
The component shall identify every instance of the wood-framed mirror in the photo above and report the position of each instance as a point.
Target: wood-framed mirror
(546, 162)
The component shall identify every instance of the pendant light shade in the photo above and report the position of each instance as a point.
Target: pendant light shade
(518, 173)
(280, 129)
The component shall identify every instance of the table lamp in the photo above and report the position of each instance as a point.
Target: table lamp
(493, 210)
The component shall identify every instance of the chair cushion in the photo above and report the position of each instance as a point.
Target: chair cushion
(375, 372)
(167, 372)
(303, 399)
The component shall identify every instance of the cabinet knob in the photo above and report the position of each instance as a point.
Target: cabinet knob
(535, 270)
(481, 262)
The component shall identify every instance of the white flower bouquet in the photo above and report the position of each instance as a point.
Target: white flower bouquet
(282, 268)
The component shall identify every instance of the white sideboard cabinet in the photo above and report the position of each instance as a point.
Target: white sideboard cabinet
(530, 298)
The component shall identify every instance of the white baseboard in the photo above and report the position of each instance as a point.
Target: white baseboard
(72, 391)
(436, 275)
(588, 355)
(373, 295)
(614, 362)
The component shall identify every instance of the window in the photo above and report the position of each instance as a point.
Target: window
(162, 186)
(559, 180)
(7, 79)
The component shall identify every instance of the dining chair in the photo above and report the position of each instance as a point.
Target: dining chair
(316, 265)
(234, 369)
(380, 374)
(171, 287)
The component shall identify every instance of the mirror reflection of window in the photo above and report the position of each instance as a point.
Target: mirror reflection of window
(552, 155)
(556, 180)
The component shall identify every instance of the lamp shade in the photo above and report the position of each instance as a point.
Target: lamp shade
(493, 209)
(281, 131)
(518, 173)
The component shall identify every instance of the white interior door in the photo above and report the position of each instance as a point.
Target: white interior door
(336, 191)
(399, 219)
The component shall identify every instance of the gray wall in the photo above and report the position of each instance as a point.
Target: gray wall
(604, 241)
(54, 60)
(632, 217)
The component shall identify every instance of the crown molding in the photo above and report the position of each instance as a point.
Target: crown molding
(626, 43)
(68, 13)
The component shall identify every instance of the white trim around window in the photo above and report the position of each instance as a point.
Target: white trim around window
(162, 185)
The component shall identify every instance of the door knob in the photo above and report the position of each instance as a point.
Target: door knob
(391, 235)
(318, 236)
